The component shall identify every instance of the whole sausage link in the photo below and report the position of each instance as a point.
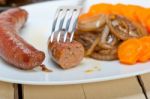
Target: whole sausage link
(13, 49)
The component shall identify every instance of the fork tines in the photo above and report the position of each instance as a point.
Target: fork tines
(65, 22)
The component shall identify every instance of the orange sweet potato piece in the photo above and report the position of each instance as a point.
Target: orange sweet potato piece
(148, 25)
(143, 16)
(128, 51)
(100, 8)
(85, 16)
(145, 52)
(117, 9)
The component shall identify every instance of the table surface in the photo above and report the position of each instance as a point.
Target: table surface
(137, 87)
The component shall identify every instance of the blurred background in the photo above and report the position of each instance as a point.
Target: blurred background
(14, 3)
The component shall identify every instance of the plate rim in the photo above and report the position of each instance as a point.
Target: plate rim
(73, 82)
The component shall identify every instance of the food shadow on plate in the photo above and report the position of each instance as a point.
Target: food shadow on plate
(23, 28)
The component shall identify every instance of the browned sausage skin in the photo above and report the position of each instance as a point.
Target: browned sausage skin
(66, 55)
(13, 49)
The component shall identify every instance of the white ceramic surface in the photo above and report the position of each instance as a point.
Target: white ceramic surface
(36, 32)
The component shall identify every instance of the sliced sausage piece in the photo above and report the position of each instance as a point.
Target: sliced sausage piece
(13, 49)
(66, 55)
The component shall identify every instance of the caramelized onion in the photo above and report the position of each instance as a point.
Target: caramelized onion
(122, 28)
(101, 34)
(91, 49)
(107, 40)
(92, 23)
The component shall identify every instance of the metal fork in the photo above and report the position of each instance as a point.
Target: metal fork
(65, 23)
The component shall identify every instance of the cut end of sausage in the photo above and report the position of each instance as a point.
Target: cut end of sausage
(33, 60)
(67, 55)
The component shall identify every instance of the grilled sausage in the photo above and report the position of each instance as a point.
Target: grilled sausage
(13, 49)
(66, 55)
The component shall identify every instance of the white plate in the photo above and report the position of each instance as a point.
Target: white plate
(36, 32)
